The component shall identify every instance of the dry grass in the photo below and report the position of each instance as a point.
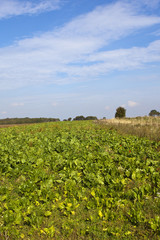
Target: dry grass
(148, 127)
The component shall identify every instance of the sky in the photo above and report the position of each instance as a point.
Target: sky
(65, 58)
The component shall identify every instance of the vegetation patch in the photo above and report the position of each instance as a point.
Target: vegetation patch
(77, 180)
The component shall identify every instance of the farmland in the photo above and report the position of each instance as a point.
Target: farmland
(78, 180)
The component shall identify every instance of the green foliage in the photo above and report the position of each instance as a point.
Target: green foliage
(91, 118)
(154, 113)
(79, 118)
(75, 180)
(120, 112)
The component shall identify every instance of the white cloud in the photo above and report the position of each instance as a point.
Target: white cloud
(10, 8)
(17, 104)
(3, 113)
(107, 23)
(72, 53)
(123, 59)
(132, 104)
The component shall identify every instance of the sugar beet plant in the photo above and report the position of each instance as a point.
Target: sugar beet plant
(75, 180)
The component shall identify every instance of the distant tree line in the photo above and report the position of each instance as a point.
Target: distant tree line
(26, 120)
(120, 113)
(79, 118)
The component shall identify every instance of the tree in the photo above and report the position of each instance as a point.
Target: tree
(91, 118)
(120, 112)
(154, 113)
(78, 118)
(69, 119)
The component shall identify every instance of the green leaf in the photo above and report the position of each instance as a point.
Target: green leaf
(47, 213)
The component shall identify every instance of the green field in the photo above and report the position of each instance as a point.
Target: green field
(77, 180)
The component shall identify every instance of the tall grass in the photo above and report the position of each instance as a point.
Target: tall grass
(148, 127)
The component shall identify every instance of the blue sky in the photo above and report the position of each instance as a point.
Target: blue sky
(63, 58)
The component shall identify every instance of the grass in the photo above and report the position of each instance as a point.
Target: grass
(148, 127)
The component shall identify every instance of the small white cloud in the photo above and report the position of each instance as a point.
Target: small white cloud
(4, 113)
(17, 104)
(132, 103)
(107, 107)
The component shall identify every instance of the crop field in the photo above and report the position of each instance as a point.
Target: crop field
(77, 180)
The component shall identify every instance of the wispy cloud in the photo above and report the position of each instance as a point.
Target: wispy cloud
(151, 4)
(74, 51)
(144, 4)
(9, 8)
(123, 59)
